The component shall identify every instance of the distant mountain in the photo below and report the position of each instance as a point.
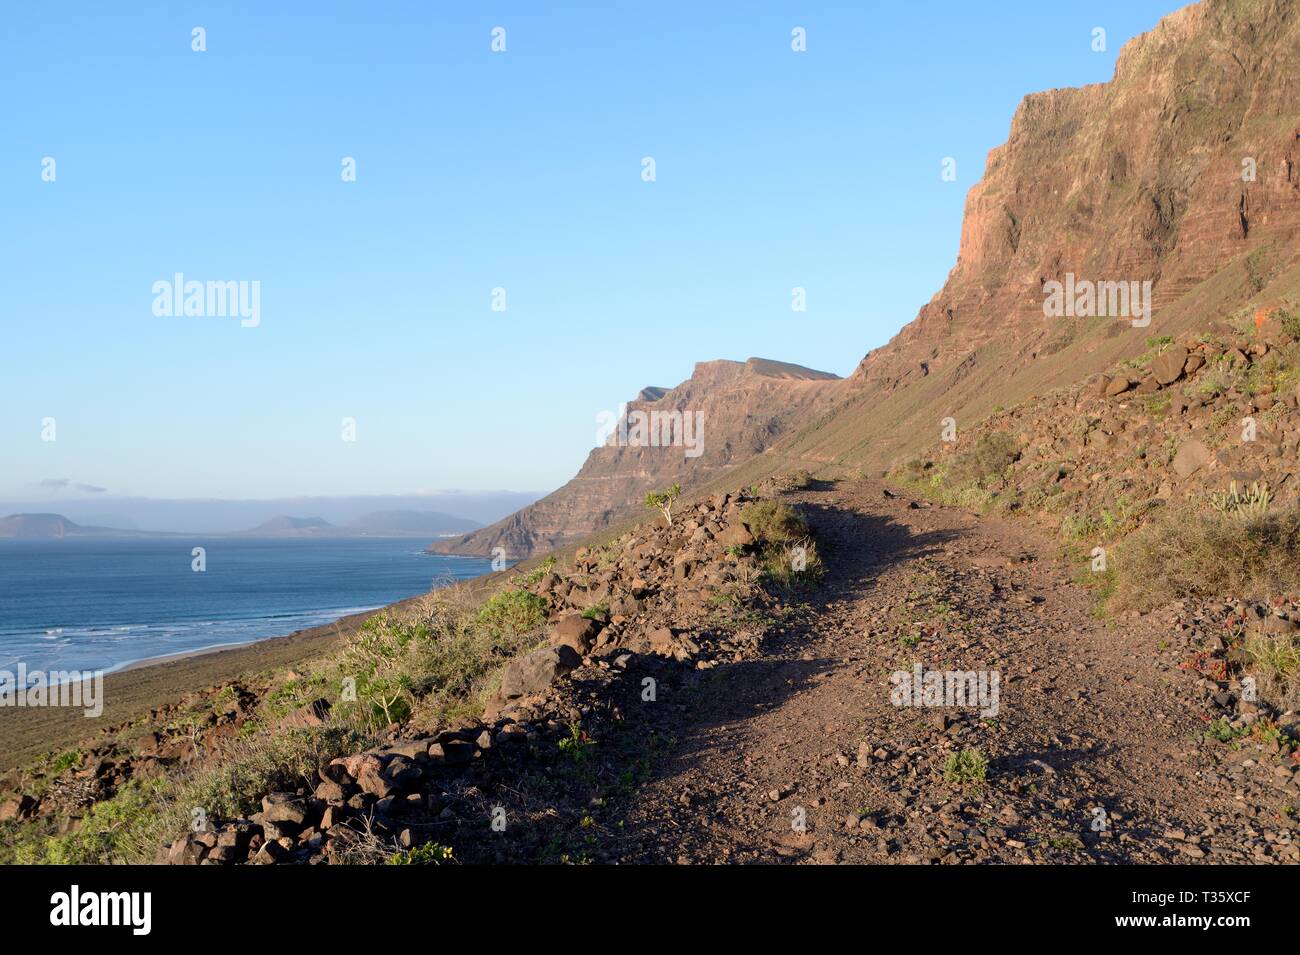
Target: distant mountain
(45, 526)
(398, 523)
(284, 526)
(210, 518)
(403, 523)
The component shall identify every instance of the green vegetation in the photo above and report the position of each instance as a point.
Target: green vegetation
(1248, 504)
(538, 572)
(786, 552)
(66, 761)
(143, 815)
(968, 767)
(971, 478)
(1275, 662)
(795, 481)
(772, 522)
(431, 853)
(436, 663)
(1220, 730)
(663, 501)
(512, 612)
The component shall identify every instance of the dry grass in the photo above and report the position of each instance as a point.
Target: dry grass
(1275, 663)
(1202, 554)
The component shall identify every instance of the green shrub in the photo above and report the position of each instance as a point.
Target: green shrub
(987, 461)
(795, 481)
(144, 815)
(512, 612)
(774, 522)
(538, 572)
(970, 766)
(431, 853)
(1275, 662)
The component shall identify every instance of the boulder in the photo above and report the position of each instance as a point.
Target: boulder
(452, 752)
(1168, 365)
(17, 807)
(661, 639)
(284, 808)
(574, 631)
(536, 671)
(315, 713)
(1191, 457)
(735, 534)
(1118, 386)
(368, 771)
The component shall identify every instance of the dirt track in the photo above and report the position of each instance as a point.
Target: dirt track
(1096, 752)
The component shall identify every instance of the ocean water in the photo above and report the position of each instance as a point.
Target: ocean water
(100, 604)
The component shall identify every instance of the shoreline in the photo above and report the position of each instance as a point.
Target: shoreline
(133, 690)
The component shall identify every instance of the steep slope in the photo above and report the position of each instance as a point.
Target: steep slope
(1144, 178)
(1182, 171)
(731, 410)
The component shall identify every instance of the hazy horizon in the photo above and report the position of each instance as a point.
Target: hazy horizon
(217, 516)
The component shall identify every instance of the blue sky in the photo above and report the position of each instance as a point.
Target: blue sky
(475, 170)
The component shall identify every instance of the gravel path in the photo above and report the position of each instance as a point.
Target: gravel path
(1095, 754)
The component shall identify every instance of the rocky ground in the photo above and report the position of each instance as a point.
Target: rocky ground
(768, 734)
(1188, 417)
(1098, 752)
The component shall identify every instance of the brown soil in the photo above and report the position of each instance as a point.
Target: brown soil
(1093, 716)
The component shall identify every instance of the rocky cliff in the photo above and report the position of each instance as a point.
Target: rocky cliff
(1183, 170)
(729, 411)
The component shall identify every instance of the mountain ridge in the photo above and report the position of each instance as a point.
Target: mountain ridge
(740, 407)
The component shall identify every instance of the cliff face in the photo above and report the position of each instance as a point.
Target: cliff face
(730, 411)
(1183, 171)
(1138, 179)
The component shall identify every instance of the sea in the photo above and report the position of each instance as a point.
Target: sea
(105, 603)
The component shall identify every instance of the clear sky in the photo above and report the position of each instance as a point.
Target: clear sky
(475, 170)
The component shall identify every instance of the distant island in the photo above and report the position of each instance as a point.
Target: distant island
(397, 523)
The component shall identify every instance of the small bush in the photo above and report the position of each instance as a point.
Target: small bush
(538, 572)
(772, 522)
(431, 853)
(970, 766)
(987, 461)
(512, 612)
(1208, 554)
(1249, 503)
(795, 481)
(1275, 662)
